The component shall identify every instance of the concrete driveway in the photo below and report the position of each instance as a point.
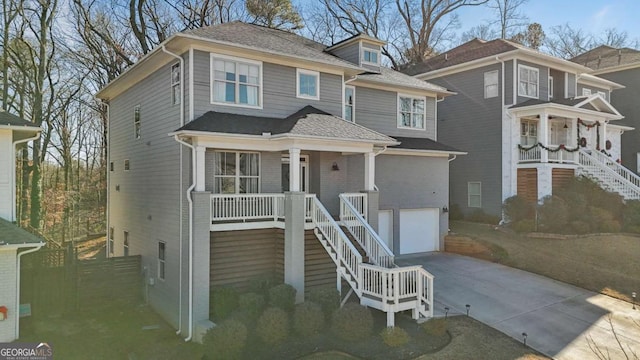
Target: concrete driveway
(559, 319)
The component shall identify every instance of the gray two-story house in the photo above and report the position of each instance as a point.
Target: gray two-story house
(622, 66)
(529, 121)
(238, 150)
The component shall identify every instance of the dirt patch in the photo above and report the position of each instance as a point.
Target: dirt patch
(95, 248)
(605, 263)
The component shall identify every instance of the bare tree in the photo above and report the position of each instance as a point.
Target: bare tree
(193, 14)
(567, 42)
(510, 19)
(483, 31)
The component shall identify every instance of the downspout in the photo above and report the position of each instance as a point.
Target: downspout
(453, 158)
(193, 185)
(164, 49)
(36, 248)
(13, 173)
(384, 148)
(502, 105)
(108, 171)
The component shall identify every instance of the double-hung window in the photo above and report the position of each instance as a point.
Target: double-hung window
(528, 133)
(349, 102)
(137, 127)
(308, 84)
(550, 90)
(411, 112)
(161, 259)
(175, 84)
(586, 92)
(528, 81)
(474, 191)
(236, 82)
(491, 84)
(111, 240)
(370, 56)
(125, 243)
(236, 172)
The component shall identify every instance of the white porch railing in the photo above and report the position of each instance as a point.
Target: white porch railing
(530, 155)
(237, 207)
(375, 248)
(359, 202)
(535, 155)
(591, 166)
(562, 156)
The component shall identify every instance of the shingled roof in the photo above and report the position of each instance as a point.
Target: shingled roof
(605, 57)
(7, 119)
(11, 234)
(308, 121)
(391, 77)
(424, 144)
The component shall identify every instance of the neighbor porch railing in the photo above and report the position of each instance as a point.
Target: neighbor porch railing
(359, 202)
(253, 207)
(375, 248)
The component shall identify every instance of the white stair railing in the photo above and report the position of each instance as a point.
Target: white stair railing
(358, 201)
(375, 248)
(619, 169)
(609, 179)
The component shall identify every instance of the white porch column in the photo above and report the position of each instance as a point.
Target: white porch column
(294, 242)
(574, 133)
(369, 171)
(543, 136)
(603, 135)
(200, 168)
(294, 169)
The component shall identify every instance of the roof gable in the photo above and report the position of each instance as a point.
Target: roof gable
(606, 57)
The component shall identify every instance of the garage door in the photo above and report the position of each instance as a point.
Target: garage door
(419, 230)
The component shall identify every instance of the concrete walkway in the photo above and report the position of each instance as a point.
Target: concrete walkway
(559, 319)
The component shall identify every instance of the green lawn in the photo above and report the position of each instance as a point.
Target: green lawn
(601, 263)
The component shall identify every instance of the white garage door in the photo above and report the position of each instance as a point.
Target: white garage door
(385, 227)
(419, 230)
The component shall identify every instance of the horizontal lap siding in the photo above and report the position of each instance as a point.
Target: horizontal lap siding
(528, 184)
(279, 91)
(350, 53)
(319, 268)
(560, 178)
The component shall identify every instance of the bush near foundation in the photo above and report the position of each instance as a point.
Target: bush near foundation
(328, 298)
(394, 336)
(308, 319)
(283, 296)
(224, 300)
(352, 322)
(226, 341)
(251, 304)
(273, 326)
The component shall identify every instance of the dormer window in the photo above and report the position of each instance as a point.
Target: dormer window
(370, 56)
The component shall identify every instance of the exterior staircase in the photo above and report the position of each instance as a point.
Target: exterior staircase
(372, 275)
(609, 174)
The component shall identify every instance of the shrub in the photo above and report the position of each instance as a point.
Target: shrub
(480, 216)
(261, 284)
(523, 226)
(223, 301)
(273, 326)
(327, 297)
(580, 227)
(435, 327)
(226, 341)
(610, 226)
(553, 214)
(517, 208)
(283, 296)
(308, 318)
(631, 216)
(394, 336)
(352, 322)
(252, 304)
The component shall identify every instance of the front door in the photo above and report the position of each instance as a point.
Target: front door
(304, 173)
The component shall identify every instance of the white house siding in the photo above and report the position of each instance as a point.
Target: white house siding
(6, 164)
(148, 200)
(8, 294)
(614, 136)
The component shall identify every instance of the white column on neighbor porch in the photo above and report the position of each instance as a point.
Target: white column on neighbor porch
(294, 169)
(543, 136)
(369, 171)
(200, 168)
(603, 135)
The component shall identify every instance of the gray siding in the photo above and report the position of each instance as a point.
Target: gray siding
(279, 91)
(378, 110)
(571, 85)
(350, 53)
(508, 83)
(626, 102)
(424, 184)
(594, 90)
(558, 83)
(147, 202)
(471, 123)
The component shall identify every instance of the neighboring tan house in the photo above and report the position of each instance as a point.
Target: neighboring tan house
(238, 151)
(622, 66)
(525, 122)
(14, 241)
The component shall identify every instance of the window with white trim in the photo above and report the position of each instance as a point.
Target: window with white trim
(550, 88)
(175, 84)
(528, 80)
(111, 166)
(349, 102)
(586, 92)
(161, 259)
(236, 82)
(137, 127)
(125, 244)
(111, 240)
(602, 94)
(370, 56)
(307, 84)
(474, 191)
(528, 132)
(127, 165)
(236, 172)
(490, 84)
(411, 112)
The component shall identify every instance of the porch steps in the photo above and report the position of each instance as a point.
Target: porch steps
(363, 253)
(610, 175)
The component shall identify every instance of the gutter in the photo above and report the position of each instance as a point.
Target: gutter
(190, 200)
(106, 103)
(36, 248)
(13, 173)
(164, 49)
